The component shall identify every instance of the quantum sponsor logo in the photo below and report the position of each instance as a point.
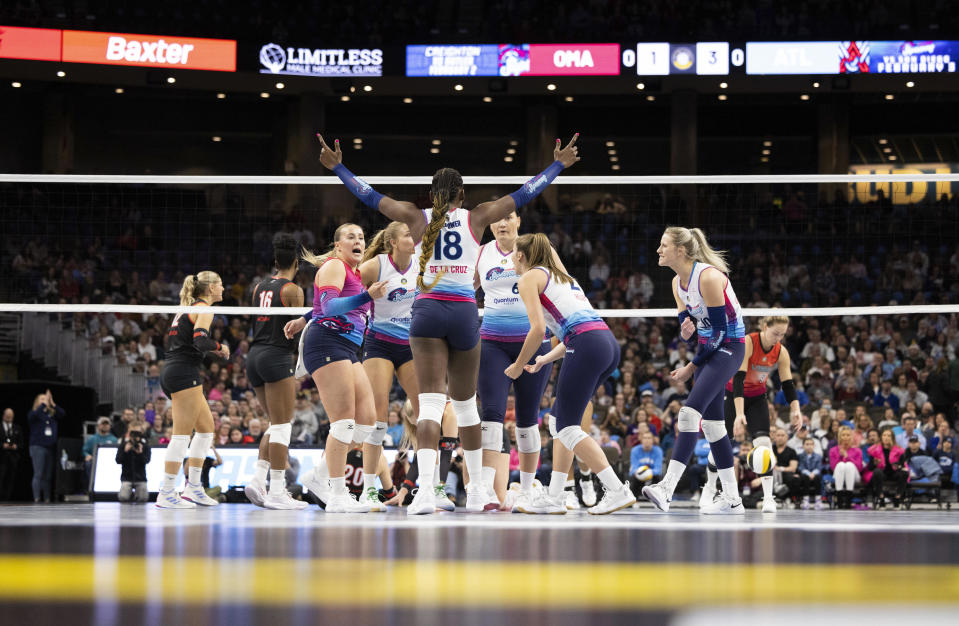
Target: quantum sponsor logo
(276, 59)
(149, 51)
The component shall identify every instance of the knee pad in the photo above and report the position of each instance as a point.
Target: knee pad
(571, 436)
(492, 436)
(528, 439)
(714, 430)
(688, 420)
(378, 435)
(280, 434)
(467, 414)
(362, 432)
(551, 425)
(763, 441)
(711, 462)
(200, 445)
(176, 450)
(431, 407)
(342, 430)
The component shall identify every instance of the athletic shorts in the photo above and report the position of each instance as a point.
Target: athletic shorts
(455, 321)
(177, 376)
(591, 358)
(377, 348)
(321, 347)
(268, 364)
(493, 385)
(757, 415)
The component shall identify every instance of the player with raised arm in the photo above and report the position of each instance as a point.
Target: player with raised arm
(188, 342)
(444, 332)
(703, 293)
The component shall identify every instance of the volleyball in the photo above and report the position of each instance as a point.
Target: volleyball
(761, 460)
(644, 474)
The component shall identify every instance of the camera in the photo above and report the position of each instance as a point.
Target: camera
(135, 436)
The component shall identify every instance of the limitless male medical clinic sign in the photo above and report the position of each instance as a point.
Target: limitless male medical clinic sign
(78, 46)
(277, 59)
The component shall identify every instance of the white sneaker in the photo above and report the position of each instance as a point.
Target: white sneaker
(819, 505)
(477, 497)
(570, 499)
(614, 500)
(372, 499)
(724, 505)
(492, 503)
(283, 501)
(520, 500)
(540, 503)
(589, 491)
(318, 486)
(424, 502)
(657, 495)
(708, 495)
(196, 494)
(345, 502)
(255, 493)
(511, 495)
(443, 501)
(769, 505)
(172, 500)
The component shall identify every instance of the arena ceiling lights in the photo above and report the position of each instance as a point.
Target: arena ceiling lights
(78, 46)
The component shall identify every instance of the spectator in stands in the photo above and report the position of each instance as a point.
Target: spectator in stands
(885, 466)
(809, 465)
(121, 423)
(880, 367)
(820, 389)
(921, 465)
(146, 349)
(946, 457)
(133, 454)
(99, 438)
(44, 420)
(815, 346)
(885, 396)
(824, 410)
(909, 430)
(613, 423)
(236, 437)
(254, 432)
(11, 435)
(863, 426)
(780, 398)
(914, 394)
(223, 432)
(749, 481)
(787, 464)
(646, 454)
(845, 461)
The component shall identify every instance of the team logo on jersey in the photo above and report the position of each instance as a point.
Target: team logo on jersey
(397, 294)
(337, 324)
(502, 262)
(494, 272)
(402, 281)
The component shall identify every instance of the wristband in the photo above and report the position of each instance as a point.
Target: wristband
(534, 186)
(358, 187)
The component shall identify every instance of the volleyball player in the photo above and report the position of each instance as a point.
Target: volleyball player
(269, 368)
(386, 351)
(703, 293)
(442, 468)
(189, 340)
(745, 398)
(503, 331)
(444, 332)
(330, 355)
(553, 298)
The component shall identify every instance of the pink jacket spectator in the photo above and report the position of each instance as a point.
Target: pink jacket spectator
(853, 455)
(875, 452)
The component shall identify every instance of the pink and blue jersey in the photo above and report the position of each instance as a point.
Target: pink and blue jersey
(352, 324)
(455, 254)
(566, 309)
(692, 298)
(504, 315)
(392, 314)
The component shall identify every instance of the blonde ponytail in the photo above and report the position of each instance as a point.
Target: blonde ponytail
(316, 260)
(447, 183)
(538, 252)
(197, 285)
(693, 241)
(382, 242)
(408, 439)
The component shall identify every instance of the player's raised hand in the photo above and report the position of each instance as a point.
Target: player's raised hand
(330, 157)
(568, 155)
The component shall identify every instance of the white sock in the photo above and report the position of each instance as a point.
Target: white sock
(569, 483)
(169, 482)
(728, 479)
(277, 481)
(489, 475)
(260, 470)
(369, 481)
(767, 486)
(557, 483)
(609, 479)
(338, 485)
(426, 459)
(711, 478)
(195, 475)
(474, 463)
(436, 474)
(673, 473)
(526, 480)
(586, 472)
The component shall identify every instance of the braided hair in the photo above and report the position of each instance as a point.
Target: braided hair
(447, 184)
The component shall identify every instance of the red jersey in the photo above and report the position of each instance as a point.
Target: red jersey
(760, 364)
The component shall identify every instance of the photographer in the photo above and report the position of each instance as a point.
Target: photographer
(12, 437)
(133, 454)
(43, 443)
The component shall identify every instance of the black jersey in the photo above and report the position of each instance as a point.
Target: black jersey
(180, 345)
(268, 329)
(354, 472)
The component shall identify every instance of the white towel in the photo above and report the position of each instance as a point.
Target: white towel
(300, 367)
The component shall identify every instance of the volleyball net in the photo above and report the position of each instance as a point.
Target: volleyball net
(93, 263)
